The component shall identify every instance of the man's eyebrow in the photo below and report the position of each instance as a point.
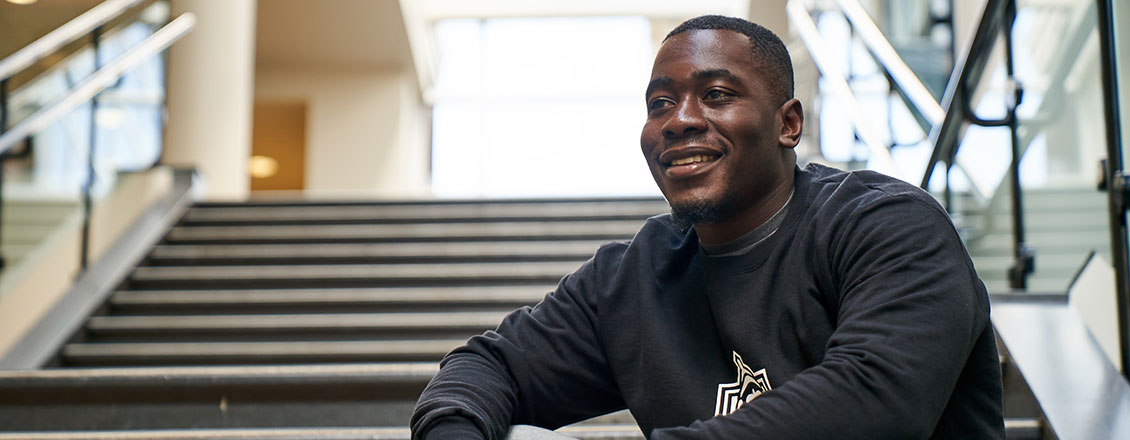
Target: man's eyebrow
(701, 75)
(725, 74)
(662, 81)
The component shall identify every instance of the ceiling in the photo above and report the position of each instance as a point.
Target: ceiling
(337, 34)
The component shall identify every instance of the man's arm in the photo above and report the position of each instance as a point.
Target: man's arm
(910, 312)
(543, 366)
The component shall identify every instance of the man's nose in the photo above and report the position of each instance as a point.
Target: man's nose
(687, 119)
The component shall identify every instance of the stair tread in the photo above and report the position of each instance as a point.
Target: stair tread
(251, 349)
(581, 431)
(388, 295)
(591, 209)
(601, 228)
(213, 375)
(359, 271)
(291, 322)
(581, 248)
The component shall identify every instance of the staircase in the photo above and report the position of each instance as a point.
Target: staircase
(304, 320)
(1062, 225)
(275, 320)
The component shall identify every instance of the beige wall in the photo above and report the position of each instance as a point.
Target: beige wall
(210, 90)
(771, 15)
(365, 130)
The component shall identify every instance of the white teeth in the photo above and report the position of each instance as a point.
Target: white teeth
(692, 159)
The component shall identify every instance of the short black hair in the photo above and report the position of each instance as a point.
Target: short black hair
(766, 46)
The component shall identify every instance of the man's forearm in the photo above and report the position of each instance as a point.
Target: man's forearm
(467, 392)
(450, 428)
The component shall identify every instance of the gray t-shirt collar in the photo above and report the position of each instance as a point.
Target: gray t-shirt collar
(749, 241)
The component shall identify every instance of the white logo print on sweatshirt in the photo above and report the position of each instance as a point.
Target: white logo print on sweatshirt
(749, 385)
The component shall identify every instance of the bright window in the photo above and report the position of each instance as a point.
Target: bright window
(541, 107)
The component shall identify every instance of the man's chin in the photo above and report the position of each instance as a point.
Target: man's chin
(686, 214)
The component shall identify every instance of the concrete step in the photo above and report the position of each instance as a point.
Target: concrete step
(584, 432)
(1015, 429)
(1051, 242)
(1058, 257)
(228, 353)
(1063, 266)
(1065, 260)
(1044, 199)
(578, 230)
(313, 300)
(353, 275)
(346, 253)
(423, 211)
(297, 326)
(1053, 221)
(182, 398)
(995, 283)
(247, 402)
(398, 433)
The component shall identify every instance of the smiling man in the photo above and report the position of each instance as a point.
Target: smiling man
(773, 302)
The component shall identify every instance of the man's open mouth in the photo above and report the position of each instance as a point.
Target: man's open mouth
(699, 158)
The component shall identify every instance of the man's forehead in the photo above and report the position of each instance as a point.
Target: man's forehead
(704, 50)
(698, 40)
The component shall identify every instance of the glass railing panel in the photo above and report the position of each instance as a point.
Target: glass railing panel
(44, 176)
(128, 117)
(1120, 12)
(1061, 141)
(1060, 136)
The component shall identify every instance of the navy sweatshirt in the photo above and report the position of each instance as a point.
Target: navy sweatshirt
(861, 317)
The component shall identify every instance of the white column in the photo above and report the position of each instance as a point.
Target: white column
(211, 92)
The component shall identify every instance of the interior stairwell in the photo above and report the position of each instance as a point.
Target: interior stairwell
(301, 319)
(1063, 226)
(314, 319)
(284, 317)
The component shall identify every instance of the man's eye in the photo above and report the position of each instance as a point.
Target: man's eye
(717, 94)
(657, 104)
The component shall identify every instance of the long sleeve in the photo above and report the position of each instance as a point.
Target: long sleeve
(910, 312)
(543, 366)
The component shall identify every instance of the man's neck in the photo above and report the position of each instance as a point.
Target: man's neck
(745, 220)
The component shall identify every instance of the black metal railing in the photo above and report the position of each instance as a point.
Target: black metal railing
(90, 24)
(1117, 189)
(946, 135)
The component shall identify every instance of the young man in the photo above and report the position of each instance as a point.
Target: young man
(773, 302)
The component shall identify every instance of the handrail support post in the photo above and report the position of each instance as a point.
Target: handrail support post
(3, 155)
(84, 255)
(1024, 259)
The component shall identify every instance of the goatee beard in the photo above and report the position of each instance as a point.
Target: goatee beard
(686, 215)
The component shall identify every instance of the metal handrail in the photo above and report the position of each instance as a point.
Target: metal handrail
(82, 25)
(889, 60)
(98, 81)
(903, 79)
(1050, 106)
(810, 36)
(944, 136)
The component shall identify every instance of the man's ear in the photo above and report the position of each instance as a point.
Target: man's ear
(791, 116)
